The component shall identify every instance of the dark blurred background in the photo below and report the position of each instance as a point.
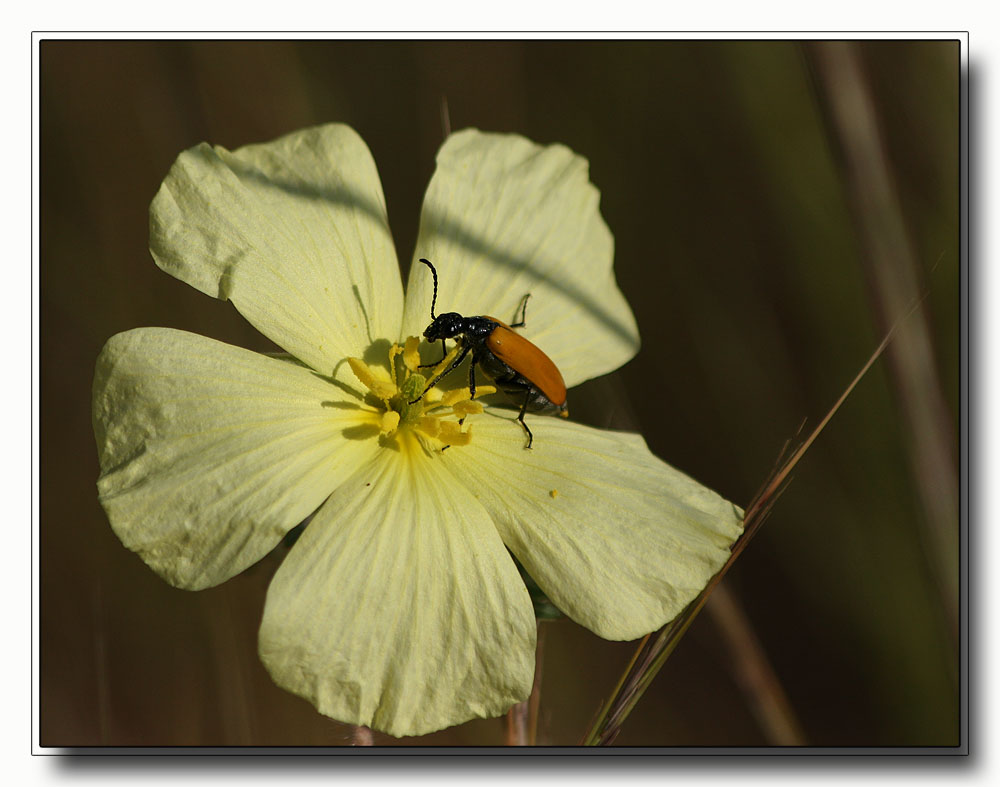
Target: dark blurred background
(767, 234)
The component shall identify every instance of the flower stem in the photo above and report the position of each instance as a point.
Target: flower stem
(516, 725)
(362, 736)
(521, 723)
(536, 688)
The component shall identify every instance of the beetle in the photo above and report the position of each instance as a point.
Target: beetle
(517, 366)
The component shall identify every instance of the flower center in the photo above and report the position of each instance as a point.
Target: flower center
(400, 411)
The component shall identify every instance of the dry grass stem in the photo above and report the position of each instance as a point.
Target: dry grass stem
(655, 648)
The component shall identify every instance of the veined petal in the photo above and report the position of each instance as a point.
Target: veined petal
(619, 540)
(399, 607)
(210, 453)
(503, 217)
(294, 232)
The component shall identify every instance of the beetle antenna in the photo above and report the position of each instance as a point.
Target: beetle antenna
(435, 274)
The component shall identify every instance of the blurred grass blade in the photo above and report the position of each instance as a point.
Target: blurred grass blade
(889, 255)
(765, 696)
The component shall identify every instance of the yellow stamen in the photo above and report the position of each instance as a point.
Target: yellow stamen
(411, 355)
(370, 378)
(462, 409)
(429, 425)
(457, 395)
(452, 434)
(389, 421)
(451, 398)
(445, 361)
(408, 409)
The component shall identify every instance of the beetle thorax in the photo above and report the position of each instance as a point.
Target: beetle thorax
(452, 325)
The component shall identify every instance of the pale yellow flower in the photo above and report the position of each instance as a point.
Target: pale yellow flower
(400, 606)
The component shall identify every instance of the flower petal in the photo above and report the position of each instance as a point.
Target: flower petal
(619, 540)
(294, 232)
(503, 217)
(399, 608)
(210, 453)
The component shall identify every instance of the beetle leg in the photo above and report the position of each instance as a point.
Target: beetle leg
(472, 385)
(520, 417)
(452, 366)
(444, 351)
(524, 308)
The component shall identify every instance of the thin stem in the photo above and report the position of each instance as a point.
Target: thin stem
(620, 690)
(516, 725)
(536, 688)
(521, 723)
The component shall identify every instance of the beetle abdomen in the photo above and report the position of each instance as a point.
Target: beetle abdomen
(525, 361)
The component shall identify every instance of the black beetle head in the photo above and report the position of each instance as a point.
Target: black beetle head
(445, 326)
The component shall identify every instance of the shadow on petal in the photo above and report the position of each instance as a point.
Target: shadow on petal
(455, 232)
(451, 230)
(361, 432)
